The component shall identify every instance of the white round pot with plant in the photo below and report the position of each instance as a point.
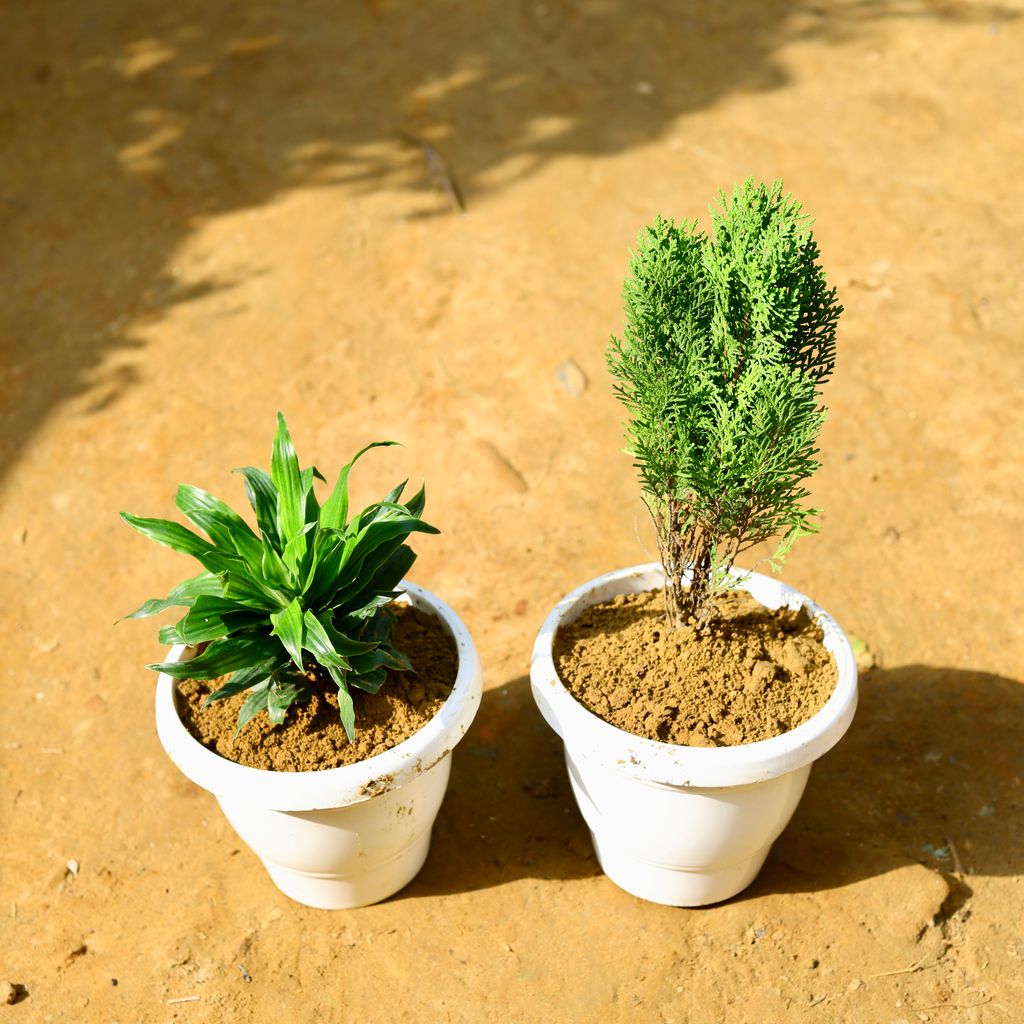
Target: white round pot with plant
(682, 825)
(304, 601)
(728, 338)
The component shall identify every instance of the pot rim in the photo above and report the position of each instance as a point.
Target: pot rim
(669, 764)
(327, 788)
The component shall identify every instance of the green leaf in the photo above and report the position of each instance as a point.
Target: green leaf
(295, 550)
(170, 535)
(348, 581)
(416, 503)
(344, 645)
(334, 513)
(213, 617)
(379, 577)
(263, 497)
(254, 704)
(273, 568)
(281, 695)
(181, 596)
(346, 709)
(395, 493)
(242, 587)
(226, 528)
(319, 644)
(284, 471)
(169, 635)
(369, 682)
(288, 627)
(221, 657)
(243, 679)
(382, 657)
(310, 506)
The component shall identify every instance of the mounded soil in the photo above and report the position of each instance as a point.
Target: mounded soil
(209, 215)
(751, 674)
(311, 736)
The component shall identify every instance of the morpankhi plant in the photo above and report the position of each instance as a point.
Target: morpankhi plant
(309, 590)
(727, 341)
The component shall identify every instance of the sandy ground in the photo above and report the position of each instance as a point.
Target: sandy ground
(209, 215)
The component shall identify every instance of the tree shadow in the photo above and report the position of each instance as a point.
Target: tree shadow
(138, 121)
(930, 772)
(509, 812)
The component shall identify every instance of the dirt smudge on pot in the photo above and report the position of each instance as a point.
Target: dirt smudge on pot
(752, 674)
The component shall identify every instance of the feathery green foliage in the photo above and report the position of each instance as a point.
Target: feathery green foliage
(308, 587)
(726, 344)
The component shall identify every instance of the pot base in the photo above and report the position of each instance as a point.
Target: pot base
(345, 892)
(675, 887)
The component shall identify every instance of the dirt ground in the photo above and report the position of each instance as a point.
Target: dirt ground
(209, 214)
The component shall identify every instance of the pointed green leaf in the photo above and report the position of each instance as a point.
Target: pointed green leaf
(254, 704)
(181, 596)
(282, 694)
(274, 570)
(417, 502)
(318, 643)
(246, 590)
(263, 498)
(243, 679)
(295, 550)
(344, 645)
(226, 528)
(346, 709)
(284, 471)
(221, 657)
(310, 506)
(379, 577)
(288, 627)
(335, 512)
(169, 635)
(170, 535)
(213, 617)
(370, 682)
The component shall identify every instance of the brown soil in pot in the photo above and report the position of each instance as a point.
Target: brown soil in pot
(752, 674)
(311, 736)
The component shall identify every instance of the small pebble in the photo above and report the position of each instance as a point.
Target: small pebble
(8, 993)
(572, 378)
(855, 985)
(72, 866)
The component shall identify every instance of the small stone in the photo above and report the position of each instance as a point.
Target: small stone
(855, 986)
(20, 535)
(573, 380)
(8, 993)
(72, 866)
(862, 654)
(644, 88)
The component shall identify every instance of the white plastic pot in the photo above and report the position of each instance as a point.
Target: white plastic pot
(340, 837)
(685, 826)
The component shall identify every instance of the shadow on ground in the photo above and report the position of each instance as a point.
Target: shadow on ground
(509, 812)
(126, 125)
(929, 772)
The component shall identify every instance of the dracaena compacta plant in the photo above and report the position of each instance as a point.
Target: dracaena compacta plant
(308, 587)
